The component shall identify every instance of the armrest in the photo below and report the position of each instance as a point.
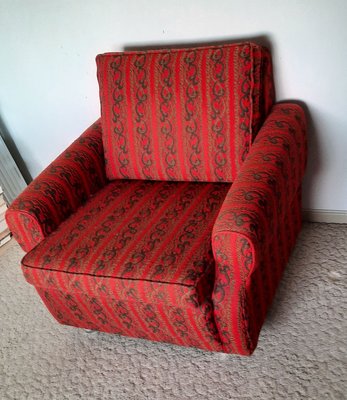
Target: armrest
(59, 190)
(256, 228)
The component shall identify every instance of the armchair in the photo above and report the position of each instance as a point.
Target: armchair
(173, 216)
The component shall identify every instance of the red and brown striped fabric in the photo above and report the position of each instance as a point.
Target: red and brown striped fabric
(59, 190)
(184, 325)
(191, 263)
(257, 227)
(183, 114)
(138, 242)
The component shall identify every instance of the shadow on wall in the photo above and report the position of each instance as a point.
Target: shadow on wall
(14, 152)
(262, 40)
(314, 163)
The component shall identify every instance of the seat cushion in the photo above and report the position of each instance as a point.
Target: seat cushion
(150, 241)
(183, 114)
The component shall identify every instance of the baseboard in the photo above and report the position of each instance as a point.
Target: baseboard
(328, 216)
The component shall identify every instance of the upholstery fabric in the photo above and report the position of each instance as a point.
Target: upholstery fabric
(59, 190)
(142, 242)
(183, 114)
(181, 324)
(137, 229)
(257, 226)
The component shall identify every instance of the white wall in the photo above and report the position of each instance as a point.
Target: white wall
(48, 86)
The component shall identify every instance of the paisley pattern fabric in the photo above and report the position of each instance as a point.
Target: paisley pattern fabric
(183, 114)
(121, 234)
(186, 325)
(59, 190)
(142, 244)
(138, 230)
(256, 228)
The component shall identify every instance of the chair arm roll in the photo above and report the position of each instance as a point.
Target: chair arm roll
(75, 175)
(256, 227)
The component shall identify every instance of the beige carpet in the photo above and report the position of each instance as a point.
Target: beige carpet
(301, 352)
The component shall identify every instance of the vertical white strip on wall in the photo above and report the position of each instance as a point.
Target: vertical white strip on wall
(11, 179)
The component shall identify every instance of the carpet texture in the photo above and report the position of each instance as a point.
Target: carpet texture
(301, 352)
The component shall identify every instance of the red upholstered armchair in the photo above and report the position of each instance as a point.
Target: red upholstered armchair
(173, 216)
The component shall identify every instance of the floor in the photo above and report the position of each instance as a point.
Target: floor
(301, 353)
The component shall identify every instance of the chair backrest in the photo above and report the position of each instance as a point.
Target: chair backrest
(183, 114)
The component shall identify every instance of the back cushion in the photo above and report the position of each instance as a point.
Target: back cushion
(182, 114)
